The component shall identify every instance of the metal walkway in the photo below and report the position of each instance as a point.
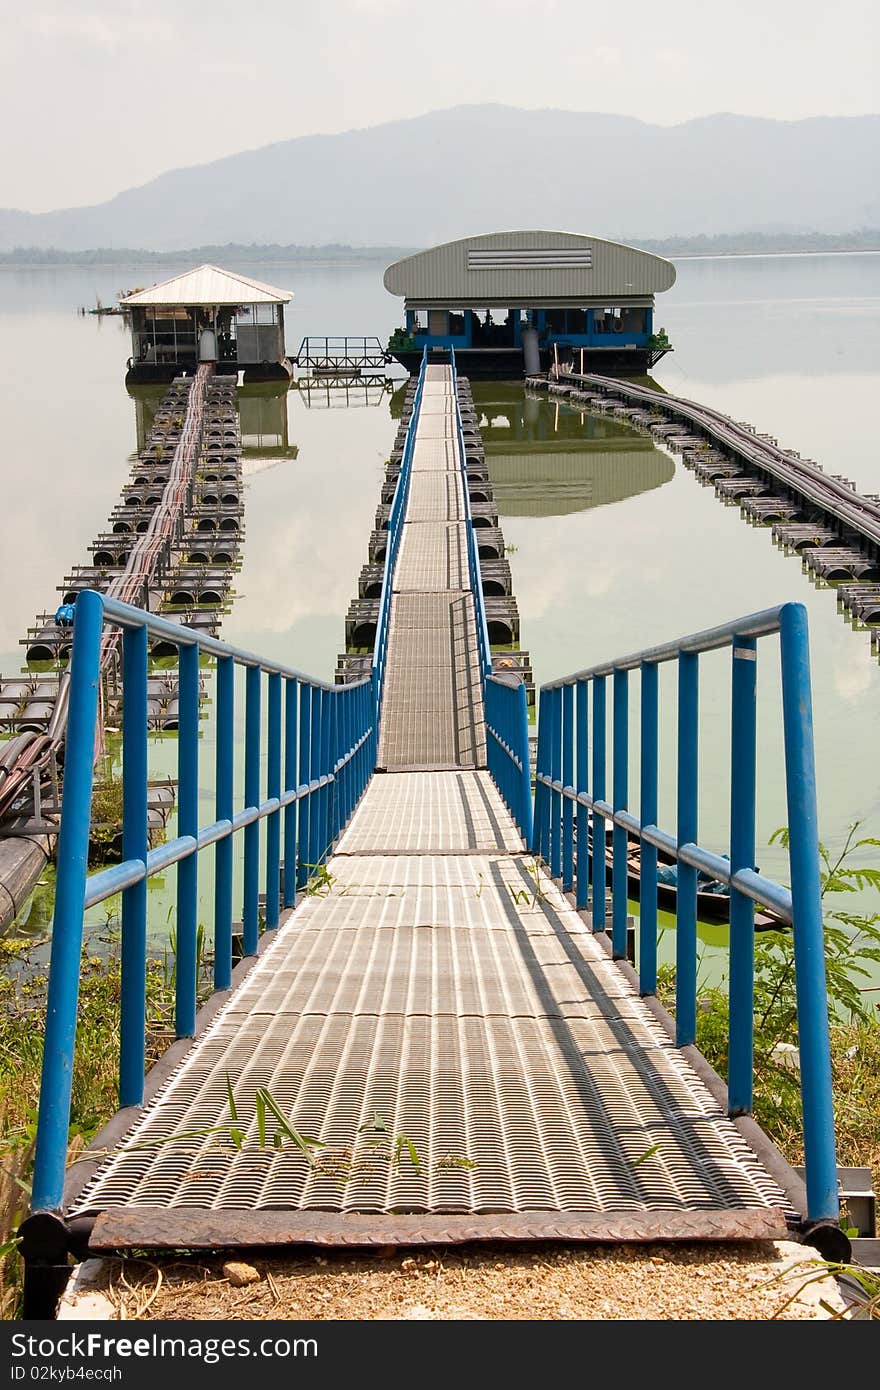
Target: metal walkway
(432, 714)
(435, 1012)
(437, 980)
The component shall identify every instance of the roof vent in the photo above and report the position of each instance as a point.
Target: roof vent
(530, 258)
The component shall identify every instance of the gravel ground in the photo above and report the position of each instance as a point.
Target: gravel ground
(754, 1282)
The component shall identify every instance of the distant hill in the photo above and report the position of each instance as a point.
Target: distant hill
(480, 168)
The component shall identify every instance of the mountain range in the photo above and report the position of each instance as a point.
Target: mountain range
(482, 168)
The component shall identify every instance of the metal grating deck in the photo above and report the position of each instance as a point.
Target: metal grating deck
(462, 1000)
(432, 710)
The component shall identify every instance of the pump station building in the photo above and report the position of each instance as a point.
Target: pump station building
(513, 301)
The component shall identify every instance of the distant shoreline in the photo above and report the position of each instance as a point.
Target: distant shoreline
(31, 258)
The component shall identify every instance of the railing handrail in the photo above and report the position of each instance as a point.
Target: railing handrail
(571, 782)
(124, 615)
(396, 518)
(760, 624)
(472, 547)
(313, 749)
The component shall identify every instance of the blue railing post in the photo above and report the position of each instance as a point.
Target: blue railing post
(317, 771)
(70, 886)
(135, 845)
(567, 781)
(290, 783)
(224, 810)
(582, 890)
(305, 774)
(525, 823)
(648, 816)
(742, 856)
(555, 774)
(186, 961)
(597, 850)
(541, 824)
(273, 789)
(620, 737)
(686, 894)
(809, 935)
(252, 713)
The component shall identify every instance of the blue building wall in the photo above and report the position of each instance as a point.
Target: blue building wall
(547, 336)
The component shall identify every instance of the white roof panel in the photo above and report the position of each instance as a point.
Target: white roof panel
(208, 284)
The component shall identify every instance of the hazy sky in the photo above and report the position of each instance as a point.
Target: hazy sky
(99, 95)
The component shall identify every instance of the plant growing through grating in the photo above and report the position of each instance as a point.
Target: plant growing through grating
(385, 1152)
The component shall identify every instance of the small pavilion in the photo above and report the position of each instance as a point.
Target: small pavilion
(511, 302)
(207, 315)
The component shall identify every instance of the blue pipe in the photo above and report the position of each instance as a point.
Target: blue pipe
(809, 936)
(67, 929)
(251, 910)
(686, 888)
(135, 845)
(224, 809)
(742, 856)
(186, 957)
(648, 816)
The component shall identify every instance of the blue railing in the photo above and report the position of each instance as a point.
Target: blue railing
(572, 807)
(396, 519)
(504, 699)
(312, 755)
(473, 551)
(507, 748)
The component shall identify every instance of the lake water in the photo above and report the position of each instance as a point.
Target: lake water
(616, 545)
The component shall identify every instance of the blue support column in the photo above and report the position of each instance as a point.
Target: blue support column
(135, 845)
(252, 713)
(686, 895)
(525, 823)
(273, 788)
(808, 930)
(541, 828)
(740, 1066)
(290, 784)
(621, 797)
(582, 786)
(648, 816)
(555, 773)
(186, 958)
(317, 733)
(597, 855)
(567, 781)
(305, 764)
(224, 810)
(67, 922)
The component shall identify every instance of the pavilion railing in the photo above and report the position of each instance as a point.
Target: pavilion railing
(572, 807)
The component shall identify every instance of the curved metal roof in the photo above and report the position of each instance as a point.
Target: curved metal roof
(208, 284)
(510, 267)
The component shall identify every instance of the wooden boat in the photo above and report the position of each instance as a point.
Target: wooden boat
(711, 906)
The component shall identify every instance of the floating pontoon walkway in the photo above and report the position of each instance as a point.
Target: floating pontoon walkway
(433, 705)
(438, 995)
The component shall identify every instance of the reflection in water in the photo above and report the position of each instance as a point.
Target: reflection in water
(262, 413)
(547, 461)
(343, 393)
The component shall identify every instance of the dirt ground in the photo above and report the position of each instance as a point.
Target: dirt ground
(756, 1282)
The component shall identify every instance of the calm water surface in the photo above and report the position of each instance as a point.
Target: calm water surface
(616, 545)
